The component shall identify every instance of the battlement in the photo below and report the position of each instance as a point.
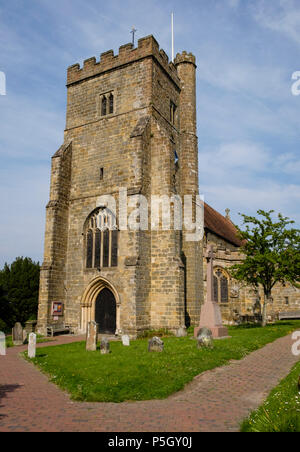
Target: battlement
(185, 57)
(147, 47)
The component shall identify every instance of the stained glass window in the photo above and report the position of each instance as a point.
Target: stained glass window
(221, 286)
(89, 249)
(101, 240)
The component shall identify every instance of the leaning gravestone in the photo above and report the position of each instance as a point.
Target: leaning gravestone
(155, 345)
(91, 337)
(31, 345)
(104, 346)
(125, 340)
(2, 344)
(205, 338)
(17, 334)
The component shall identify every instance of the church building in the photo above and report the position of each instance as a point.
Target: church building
(130, 127)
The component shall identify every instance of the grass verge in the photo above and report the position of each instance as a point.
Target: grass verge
(132, 373)
(281, 411)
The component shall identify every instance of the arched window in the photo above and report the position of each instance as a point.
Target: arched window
(221, 280)
(101, 239)
(103, 106)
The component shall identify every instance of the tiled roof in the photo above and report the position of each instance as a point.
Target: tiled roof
(223, 227)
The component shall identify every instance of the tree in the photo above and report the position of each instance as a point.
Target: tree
(272, 254)
(19, 287)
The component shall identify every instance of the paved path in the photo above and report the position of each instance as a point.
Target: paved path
(216, 400)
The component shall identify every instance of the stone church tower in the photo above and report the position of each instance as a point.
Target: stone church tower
(130, 131)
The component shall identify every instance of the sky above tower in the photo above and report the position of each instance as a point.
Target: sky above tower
(247, 117)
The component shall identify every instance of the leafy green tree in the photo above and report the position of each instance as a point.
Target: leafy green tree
(19, 287)
(272, 254)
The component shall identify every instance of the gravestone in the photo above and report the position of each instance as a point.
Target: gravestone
(104, 346)
(31, 345)
(205, 338)
(155, 345)
(17, 334)
(125, 340)
(181, 332)
(91, 336)
(30, 326)
(25, 338)
(2, 344)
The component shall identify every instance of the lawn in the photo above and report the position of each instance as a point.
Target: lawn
(39, 339)
(132, 373)
(281, 411)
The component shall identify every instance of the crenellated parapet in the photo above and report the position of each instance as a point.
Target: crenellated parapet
(147, 47)
(185, 57)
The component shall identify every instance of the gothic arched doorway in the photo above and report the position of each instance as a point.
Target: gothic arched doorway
(101, 302)
(105, 312)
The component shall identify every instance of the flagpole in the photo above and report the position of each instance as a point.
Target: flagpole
(172, 27)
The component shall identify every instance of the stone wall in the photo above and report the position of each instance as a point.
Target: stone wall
(244, 300)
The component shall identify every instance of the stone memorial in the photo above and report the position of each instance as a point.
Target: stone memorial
(25, 337)
(31, 345)
(2, 344)
(91, 336)
(181, 332)
(155, 345)
(205, 338)
(210, 316)
(104, 346)
(125, 340)
(17, 334)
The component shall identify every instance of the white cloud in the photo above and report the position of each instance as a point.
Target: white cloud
(283, 18)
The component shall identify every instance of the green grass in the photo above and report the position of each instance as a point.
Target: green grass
(39, 340)
(9, 342)
(132, 373)
(281, 411)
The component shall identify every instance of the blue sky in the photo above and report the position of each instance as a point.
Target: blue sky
(248, 119)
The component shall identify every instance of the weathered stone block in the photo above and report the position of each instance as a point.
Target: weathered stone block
(155, 345)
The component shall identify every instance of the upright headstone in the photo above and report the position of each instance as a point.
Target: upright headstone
(155, 345)
(125, 340)
(2, 344)
(25, 338)
(104, 346)
(91, 336)
(210, 316)
(31, 345)
(181, 332)
(17, 334)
